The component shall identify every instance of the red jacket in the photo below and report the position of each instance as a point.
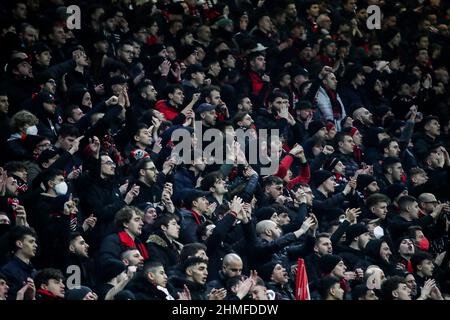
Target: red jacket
(303, 177)
(169, 112)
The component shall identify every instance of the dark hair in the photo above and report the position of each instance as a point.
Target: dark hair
(140, 164)
(340, 137)
(13, 166)
(164, 220)
(68, 130)
(192, 261)
(404, 201)
(43, 276)
(390, 285)
(125, 214)
(210, 179)
(190, 249)
(376, 198)
(272, 180)
(418, 258)
(170, 89)
(321, 235)
(49, 175)
(325, 284)
(277, 94)
(18, 233)
(74, 235)
(151, 266)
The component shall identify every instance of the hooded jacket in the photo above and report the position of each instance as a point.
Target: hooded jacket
(161, 249)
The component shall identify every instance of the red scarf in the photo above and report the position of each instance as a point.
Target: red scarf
(257, 83)
(128, 242)
(195, 215)
(48, 295)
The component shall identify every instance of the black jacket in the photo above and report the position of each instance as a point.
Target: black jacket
(144, 290)
(16, 272)
(161, 249)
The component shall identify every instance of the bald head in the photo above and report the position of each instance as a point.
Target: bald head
(427, 197)
(263, 226)
(232, 265)
(231, 257)
(363, 115)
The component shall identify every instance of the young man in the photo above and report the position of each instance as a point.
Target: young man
(196, 212)
(129, 221)
(196, 273)
(395, 288)
(162, 244)
(49, 284)
(277, 279)
(19, 268)
(330, 289)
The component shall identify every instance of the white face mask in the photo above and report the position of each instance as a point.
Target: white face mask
(33, 130)
(378, 232)
(61, 188)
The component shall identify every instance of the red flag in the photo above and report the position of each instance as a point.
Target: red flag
(301, 284)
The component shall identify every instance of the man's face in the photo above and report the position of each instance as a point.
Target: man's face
(376, 51)
(414, 210)
(402, 292)
(233, 268)
(385, 252)
(258, 64)
(50, 107)
(28, 246)
(323, 246)
(11, 187)
(150, 173)
(433, 128)
(158, 277)
(214, 98)
(283, 219)
(275, 230)
(58, 35)
(87, 101)
(201, 204)
(314, 10)
(209, 117)
(393, 150)
(44, 58)
(411, 283)
(274, 191)
(135, 259)
(79, 247)
(429, 206)
(144, 137)
(396, 172)
(339, 270)
(108, 166)
(20, 11)
(30, 36)
(66, 142)
(279, 275)
(329, 185)
(259, 293)
(331, 81)
(373, 187)
(370, 295)
(50, 86)
(427, 267)
(229, 61)
(199, 273)
(363, 239)
(339, 168)
(4, 288)
(204, 34)
(24, 69)
(347, 145)
(365, 116)
(55, 286)
(277, 104)
(331, 50)
(172, 229)
(4, 219)
(177, 97)
(406, 248)
(338, 292)
(380, 210)
(220, 187)
(134, 226)
(126, 53)
(265, 24)
(4, 104)
(422, 57)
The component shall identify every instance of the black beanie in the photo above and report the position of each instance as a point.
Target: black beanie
(265, 270)
(394, 190)
(112, 269)
(315, 126)
(354, 231)
(320, 176)
(363, 181)
(330, 163)
(328, 262)
(264, 213)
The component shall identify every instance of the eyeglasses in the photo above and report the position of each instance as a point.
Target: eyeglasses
(109, 163)
(153, 168)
